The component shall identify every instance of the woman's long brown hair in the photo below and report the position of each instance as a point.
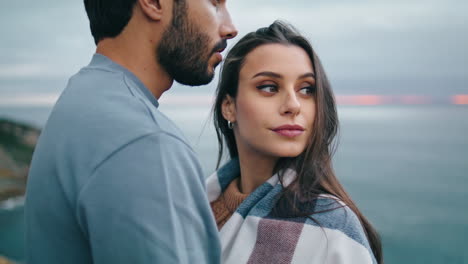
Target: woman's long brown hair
(315, 175)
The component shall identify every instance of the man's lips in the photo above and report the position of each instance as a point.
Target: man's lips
(289, 130)
(220, 46)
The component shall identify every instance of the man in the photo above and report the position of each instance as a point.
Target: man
(112, 179)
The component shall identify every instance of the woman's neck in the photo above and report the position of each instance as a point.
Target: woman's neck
(255, 170)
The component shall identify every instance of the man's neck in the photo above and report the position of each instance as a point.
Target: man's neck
(141, 61)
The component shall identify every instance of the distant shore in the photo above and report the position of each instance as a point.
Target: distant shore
(17, 142)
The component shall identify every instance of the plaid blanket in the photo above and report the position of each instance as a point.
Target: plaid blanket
(253, 235)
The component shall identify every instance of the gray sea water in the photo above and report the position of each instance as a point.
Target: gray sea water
(405, 166)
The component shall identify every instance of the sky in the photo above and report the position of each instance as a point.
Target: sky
(367, 46)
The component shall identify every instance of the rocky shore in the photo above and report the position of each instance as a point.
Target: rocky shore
(5, 261)
(17, 142)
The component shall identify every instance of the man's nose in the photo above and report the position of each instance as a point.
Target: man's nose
(228, 30)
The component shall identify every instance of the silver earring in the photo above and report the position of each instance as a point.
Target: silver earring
(230, 124)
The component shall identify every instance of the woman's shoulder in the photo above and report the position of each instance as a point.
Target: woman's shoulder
(217, 182)
(342, 226)
(332, 213)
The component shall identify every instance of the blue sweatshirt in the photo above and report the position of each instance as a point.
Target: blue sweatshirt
(113, 180)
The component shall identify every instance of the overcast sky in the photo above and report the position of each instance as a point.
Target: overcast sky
(378, 46)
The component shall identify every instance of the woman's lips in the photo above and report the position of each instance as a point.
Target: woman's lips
(289, 130)
(219, 56)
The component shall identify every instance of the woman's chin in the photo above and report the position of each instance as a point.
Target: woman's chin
(291, 153)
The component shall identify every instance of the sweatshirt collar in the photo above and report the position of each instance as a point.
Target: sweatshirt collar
(101, 61)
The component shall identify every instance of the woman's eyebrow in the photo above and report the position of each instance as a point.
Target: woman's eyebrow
(279, 76)
(309, 74)
(268, 74)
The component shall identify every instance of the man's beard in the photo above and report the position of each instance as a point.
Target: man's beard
(184, 50)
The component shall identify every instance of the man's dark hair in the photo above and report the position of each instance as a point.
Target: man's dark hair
(107, 18)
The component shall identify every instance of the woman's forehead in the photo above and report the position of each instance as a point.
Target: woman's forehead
(277, 58)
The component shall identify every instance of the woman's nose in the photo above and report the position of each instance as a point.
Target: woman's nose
(291, 105)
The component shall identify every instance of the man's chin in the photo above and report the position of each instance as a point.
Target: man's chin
(194, 76)
(196, 80)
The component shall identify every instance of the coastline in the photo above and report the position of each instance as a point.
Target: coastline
(17, 142)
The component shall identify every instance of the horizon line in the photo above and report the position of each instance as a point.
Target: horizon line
(49, 99)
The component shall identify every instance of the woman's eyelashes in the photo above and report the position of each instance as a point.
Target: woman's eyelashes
(216, 2)
(308, 90)
(268, 88)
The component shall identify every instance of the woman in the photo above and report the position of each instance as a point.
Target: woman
(277, 200)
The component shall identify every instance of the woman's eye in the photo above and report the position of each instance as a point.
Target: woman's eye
(269, 88)
(307, 90)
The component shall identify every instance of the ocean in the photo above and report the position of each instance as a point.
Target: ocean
(405, 166)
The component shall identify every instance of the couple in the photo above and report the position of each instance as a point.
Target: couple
(114, 181)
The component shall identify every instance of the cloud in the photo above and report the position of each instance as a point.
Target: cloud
(28, 70)
(376, 39)
(356, 40)
(29, 99)
(46, 40)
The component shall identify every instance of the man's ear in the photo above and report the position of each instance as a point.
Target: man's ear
(228, 108)
(153, 9)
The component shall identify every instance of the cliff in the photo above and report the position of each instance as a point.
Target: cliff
(17, 142)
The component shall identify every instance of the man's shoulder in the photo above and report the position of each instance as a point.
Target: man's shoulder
(93, 76)
(100, 112)
(100, 98)
(111, 125)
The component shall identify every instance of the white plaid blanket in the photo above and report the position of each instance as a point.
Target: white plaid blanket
(253, 235)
